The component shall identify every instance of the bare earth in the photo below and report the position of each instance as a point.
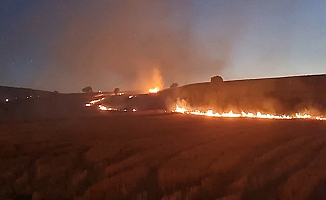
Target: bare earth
(162, 156)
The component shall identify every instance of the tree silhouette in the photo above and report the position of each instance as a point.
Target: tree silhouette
(87, 89)
(174, 85)
(116, 91)
(216, 80)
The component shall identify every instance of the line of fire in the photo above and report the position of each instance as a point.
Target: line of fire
(276, 98)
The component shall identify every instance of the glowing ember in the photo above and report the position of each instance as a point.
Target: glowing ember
(101, 107)
(153, 90)
(95, 101)
(247, 115)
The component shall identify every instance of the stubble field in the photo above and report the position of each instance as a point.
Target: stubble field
(162, 156)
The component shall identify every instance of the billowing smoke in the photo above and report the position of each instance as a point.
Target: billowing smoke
(157, 80)
(149, 76)
(127, 42)
(67, 45)
(109, 44)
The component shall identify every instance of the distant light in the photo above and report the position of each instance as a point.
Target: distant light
(125, 110)
(134, 110)
(38, 95)
(7, 100)
(131, 96)
(26, 97)
(100, 91)
(88, 105)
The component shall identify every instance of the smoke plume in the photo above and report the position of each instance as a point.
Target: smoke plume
(128, 40)
(67, 45)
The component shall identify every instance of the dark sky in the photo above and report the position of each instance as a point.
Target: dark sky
(65, 45)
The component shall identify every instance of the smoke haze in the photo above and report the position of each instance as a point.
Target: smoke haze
(136, 38)
(118, 43)
(67, 45)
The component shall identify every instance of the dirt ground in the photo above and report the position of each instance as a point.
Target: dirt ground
(162, 156)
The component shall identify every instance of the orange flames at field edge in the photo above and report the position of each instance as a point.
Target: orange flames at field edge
(230, 114)
(210, 113)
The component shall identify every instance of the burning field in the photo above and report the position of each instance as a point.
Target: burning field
(164, 144)
(162, 100)
(257, 115)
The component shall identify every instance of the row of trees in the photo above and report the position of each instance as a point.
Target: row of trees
(89, 89)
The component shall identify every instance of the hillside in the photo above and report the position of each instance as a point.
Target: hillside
(14, 93)
(276, 95)
(27, 104)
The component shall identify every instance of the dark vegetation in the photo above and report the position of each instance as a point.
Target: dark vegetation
(87, 89)
(116, 91)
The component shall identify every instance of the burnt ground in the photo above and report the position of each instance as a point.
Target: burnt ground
(162, 156)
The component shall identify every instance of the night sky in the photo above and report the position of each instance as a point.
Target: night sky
(65, 45)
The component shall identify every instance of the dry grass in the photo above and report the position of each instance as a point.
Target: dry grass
(162, 157)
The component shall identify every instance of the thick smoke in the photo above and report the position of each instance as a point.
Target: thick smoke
(125, 41)
(67, 45)
(124, 45)
(153, 79)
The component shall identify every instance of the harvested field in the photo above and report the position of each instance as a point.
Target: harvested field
(162, 156)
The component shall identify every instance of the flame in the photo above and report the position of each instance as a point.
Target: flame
(154, 90)
(246, 115)
(154, 80)
(101, 107)
(93, 102)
